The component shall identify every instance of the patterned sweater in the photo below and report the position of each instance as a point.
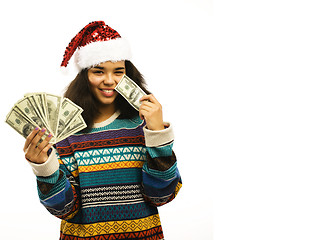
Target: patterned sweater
(107, 184)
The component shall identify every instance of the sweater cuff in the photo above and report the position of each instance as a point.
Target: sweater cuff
(159, 138)
(47, 168)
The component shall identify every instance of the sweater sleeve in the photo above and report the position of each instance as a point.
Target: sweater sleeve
(161, 178)
(58, 188)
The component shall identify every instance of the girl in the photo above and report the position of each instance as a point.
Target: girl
(106, 181)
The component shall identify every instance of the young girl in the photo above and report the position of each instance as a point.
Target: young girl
(106, 181)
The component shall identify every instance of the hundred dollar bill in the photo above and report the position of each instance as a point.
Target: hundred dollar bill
(130, 91)
(21, 124)
(39, 102)
(33, 102)
(77, 125)
(53, 109)
(26, 107)
(68, 112)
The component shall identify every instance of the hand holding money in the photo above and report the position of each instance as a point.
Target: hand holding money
(35, 149)
(147, 105)
(151, 111)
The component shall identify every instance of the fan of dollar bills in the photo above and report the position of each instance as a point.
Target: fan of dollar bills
(60, 116)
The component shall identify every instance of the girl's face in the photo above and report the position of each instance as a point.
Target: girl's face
(103, 78)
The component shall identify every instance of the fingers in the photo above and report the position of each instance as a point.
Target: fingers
(35, 141)
(43, 153)
(142, 113)
(145, 108)
(45, 144)
(30, 138)
(150, 110)
(150, 101)
(150, 98)
(147, 103)
(36, 146)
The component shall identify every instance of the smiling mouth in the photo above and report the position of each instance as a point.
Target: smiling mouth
(106, 90)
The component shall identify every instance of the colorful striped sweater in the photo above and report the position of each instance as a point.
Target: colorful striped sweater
(107, 184)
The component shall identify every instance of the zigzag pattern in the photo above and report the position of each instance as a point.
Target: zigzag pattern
(109, 188)
(101, 156)
(107, 155)
(118, 212)
(106, 143)
(102, 196)
(69, 163)
(111, 227)
(71, 167)
(109, 166)
(151, 234)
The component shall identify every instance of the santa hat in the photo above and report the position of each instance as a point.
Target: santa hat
(94, 44)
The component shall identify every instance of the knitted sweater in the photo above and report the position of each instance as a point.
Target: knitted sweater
(107, 184)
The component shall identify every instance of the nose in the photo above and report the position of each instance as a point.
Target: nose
(108, 80)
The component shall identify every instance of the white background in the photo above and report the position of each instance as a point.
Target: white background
(241, 81)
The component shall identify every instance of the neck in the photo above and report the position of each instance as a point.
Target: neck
(106, 111)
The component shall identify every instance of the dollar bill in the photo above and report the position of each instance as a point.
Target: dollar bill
(21, 124)
(77, 125)
(68, 112)
(60, 116)
(53, 110)
(39, 102)
(130, 91)
(30, 111)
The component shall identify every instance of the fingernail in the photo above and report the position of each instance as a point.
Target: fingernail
(43, 130)
(37, 128)
(50, 135)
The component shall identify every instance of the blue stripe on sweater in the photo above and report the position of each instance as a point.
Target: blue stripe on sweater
(118, 212)
(60, 199)
(155, 187)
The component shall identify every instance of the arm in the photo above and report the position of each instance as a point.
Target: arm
(57, 187)
(161, 178)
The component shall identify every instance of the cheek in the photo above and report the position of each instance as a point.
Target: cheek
(94, 82)
(92, 86)
(118, 78)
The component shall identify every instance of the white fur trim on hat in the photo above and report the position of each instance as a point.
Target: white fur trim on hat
(98, 52)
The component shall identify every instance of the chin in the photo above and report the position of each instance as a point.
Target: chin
(107, 101)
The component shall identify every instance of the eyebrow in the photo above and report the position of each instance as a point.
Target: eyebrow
(98, 67)
(101, 68)
(119, 68)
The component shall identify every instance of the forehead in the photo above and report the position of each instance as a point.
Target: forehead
(111, 65)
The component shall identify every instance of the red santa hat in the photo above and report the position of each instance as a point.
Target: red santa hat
(94, 44)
